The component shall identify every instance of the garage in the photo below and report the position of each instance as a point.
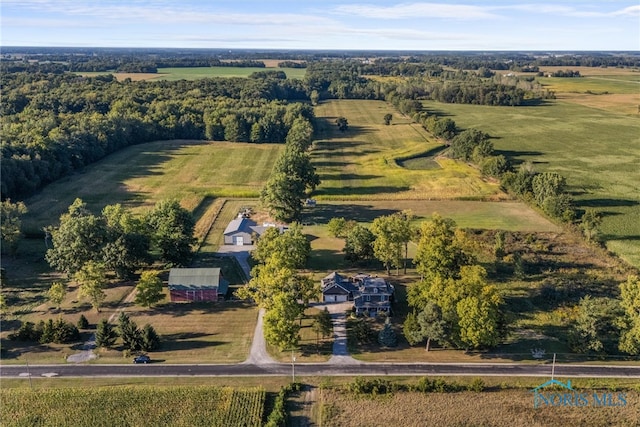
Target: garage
(329, 298)
(238, 240)
(341, 298)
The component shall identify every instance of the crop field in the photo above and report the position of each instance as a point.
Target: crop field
(141, 175)
(363, 163)
(596, 150)
(195, 73)
(205, 72)
(135, 406)
(511, 408)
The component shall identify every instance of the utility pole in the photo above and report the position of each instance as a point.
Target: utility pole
(293, 367)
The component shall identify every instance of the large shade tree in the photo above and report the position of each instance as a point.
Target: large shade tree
(172, 227)
(77, 240)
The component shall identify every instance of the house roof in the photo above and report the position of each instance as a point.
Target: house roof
(337, 288)
(240, 224)
(197, 279)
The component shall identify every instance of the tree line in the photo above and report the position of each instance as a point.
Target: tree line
(53, 125)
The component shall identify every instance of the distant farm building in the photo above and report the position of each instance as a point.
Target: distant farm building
(197, 284)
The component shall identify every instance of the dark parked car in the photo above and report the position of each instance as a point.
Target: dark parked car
(142, 359)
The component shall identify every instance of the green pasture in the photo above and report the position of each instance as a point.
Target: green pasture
(196, 73)
(365, 162)
(596, 150)
(140, 175)
(594, 84)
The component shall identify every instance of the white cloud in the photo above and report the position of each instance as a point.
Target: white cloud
(416, 10)
(628, 11)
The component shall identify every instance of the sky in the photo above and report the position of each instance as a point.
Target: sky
(324, 24)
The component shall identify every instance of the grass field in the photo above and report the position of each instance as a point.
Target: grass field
(141, 175)
(512, 408)
(597, 151)
(363, 162)
(120, 406)
(195, 73)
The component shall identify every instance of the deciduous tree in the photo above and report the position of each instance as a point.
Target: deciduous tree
(590, 222)
(432, 326)
(322, 324)
(289, 249)
(149, 289)
(594, 327)
(92, 281)
(56, 293)
(358, 245)
(78, 239)
(630, 322)
(173, 228)
(10, 223)
(439, 251)
(280, 326)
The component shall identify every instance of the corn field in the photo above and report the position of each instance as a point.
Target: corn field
(133, 406)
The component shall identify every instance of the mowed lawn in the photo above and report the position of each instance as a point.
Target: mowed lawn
(598, 151)
(141, 175)
(363, 163)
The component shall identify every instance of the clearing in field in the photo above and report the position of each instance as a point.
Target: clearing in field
(366, 161)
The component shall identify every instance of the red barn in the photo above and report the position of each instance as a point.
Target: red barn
(197, 284)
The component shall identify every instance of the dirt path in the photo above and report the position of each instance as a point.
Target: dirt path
(87, 353)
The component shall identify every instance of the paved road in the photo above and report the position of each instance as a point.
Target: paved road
(321, 369)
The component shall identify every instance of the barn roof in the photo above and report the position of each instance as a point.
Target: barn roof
(197, 279)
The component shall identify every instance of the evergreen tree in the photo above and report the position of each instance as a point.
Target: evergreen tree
(387, 336)
(83, 323)
(105, 334)
(150, 339)
(129, 333)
